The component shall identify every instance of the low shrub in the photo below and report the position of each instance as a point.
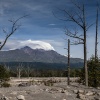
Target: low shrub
(5, 84)
(49, 82)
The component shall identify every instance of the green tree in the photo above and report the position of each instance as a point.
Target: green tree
(93, 72)
(4, 73)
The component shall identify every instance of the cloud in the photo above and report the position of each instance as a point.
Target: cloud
(57, 43)
(52, 24)
(11, 45)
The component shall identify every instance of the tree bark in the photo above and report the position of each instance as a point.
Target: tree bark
(85, 60)
(85, 48)
(96, 37)
(68, 62)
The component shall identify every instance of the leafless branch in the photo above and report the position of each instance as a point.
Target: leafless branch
(73, 35)
(77, 42)
(72, 18)
(77, 5)
(15, 26)
(90, 26)
(62, 19)
(79, 17)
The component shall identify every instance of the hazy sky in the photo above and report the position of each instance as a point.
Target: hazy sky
(41, 26)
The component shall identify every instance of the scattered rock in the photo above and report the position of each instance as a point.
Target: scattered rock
(24, 84)
(75, 91)
(97, 98)
(20, 97)
(67, 93)
(4, 98)
(89, 93)
(47, 89)
(28, 91)
(98, 88)
(81, 96)
(63, 91)
(98, 93)
(58, 91)
(14, 93)
(68, 87)
(54, 89)
(81, 91)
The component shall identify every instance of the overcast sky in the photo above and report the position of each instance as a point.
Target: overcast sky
(41, 26)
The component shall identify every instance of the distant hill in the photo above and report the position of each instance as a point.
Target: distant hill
(28, 54)
(37, 56)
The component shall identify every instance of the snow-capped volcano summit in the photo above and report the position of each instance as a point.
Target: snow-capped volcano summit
(38, 45)
(33, 44)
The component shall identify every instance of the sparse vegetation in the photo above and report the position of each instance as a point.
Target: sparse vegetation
(4, 73)
(49, 82)
(47, 73)
(93, 71)
(5, 84)
(4, 77)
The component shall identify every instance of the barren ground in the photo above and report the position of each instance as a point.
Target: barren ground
(36, 90)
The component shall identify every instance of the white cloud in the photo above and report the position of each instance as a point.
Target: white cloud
(52, 24)
(55, 42)
(16, 44)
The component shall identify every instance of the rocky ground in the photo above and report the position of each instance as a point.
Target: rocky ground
(48, 89)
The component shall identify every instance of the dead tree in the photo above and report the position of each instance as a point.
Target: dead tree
(96, 36)
(68, 62)
(28, 70)
(15, 27)
(78, 17)
(19, 70)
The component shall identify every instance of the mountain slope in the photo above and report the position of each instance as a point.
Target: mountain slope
(27, 54)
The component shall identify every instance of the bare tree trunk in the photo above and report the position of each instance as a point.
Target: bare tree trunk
(85, 48)
(85, 60)
(19, 70)
(19, 73)
(28, 72)
(96, 37)
(68, 62)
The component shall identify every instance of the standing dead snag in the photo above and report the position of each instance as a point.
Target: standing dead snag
(15, 26)
(19, 70)
(28, 70)
(68, 62)
(78, 17)
(96, 37)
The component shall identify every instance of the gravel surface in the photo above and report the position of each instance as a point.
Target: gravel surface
(59, 91)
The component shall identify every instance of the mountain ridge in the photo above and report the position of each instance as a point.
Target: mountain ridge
(27, 54)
